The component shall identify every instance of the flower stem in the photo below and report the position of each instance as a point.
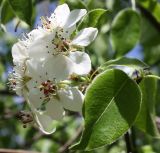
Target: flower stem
(93, 74)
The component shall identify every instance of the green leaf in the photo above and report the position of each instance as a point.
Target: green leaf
(149, 33)
(1, 2)
(124, 61)
(78, 4)
(111, 105)
(147, 149)
(125, 31)
(61, 2)
(146, 118)
(22, 9)
(153, 6)
(92, 18)
(7, 13)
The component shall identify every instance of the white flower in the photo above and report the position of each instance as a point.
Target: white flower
(20, 49)
(48, 93)
(57, 40)
(17, 78)
(46, 60)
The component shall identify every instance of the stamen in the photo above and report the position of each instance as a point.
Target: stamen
(24, 117)
(48, 88)
(46, 23)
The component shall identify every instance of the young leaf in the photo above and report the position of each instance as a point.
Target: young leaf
(125, 31)
(124, 61)
(92, 18)
(111, 105)
(146, 118)
(22, 9)
(6, 12)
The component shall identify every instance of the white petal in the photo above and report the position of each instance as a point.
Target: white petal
(35, 69)
(19, 67)
(54, 109)
(72, 99)
(58, 67)
(85, 37)
(60, 15)
(19, 51)
(82, 62)
(74, 17)
(42, 47)
(45, 123)
(37, 33)
(34, 97)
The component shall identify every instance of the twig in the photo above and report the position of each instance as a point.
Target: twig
(15, 30)
(128, 143)
(15, 151)
(64, 148)
(133, 139)
(94, 74)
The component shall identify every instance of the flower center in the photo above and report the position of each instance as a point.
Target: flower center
(61, 43)
(15, 81)
(48, 88)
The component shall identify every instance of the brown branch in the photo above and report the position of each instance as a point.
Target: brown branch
(65, 147)
(15, 151)
(128, 142)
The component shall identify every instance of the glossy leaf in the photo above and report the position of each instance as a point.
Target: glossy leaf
(22, 9)
(78, 4)
(148, 33)
(125, 31)
(124, 61)
(111, 105)
(146, 118)
(7, 13)
(153, 6)
(92, 18)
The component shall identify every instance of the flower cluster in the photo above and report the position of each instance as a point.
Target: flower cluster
(46, 62)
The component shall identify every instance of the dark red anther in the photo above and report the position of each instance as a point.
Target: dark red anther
(14, 83)
(46, 92)
(44, 84)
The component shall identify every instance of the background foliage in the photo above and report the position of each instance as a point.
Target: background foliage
(122, 32)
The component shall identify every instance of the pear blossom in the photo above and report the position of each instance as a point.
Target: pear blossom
(48, 93)
(58, 38)
(46, 61)
(55, 38)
